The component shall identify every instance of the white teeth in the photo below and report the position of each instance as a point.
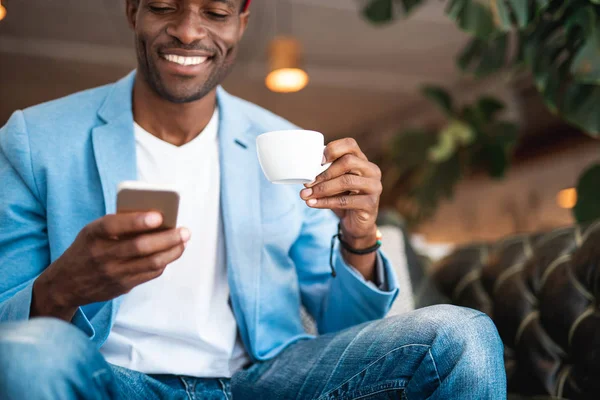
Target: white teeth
(184, 60)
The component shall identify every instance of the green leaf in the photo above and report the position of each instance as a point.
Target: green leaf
(588, 195)
(472, 17)
(462, 133)
(542, 4)
(470, 53)
(549, 69)
(489, 107)
(501, 14)
(473, 116)
(409, 148)
(496, 160)
(580, 107)
(548, 82)
(583, 18)
(379, 11)
(498, 145)
(586, 65)
(444, 149)
(440, 97)
(521, 10)
(409, 5)
(505, 134)
(438, 180)
(455, 8)
(483, 58)
(382, 11)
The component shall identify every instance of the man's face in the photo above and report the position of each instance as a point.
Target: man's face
(185, 48)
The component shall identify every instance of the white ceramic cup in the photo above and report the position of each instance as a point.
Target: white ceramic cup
(291, 157)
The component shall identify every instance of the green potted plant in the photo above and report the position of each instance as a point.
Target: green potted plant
(557, 42)
(428, 164)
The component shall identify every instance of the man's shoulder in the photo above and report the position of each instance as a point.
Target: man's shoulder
(79, 106)
(262, 119)
(53, 124)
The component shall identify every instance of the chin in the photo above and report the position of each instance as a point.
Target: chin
(181, 92)
(181, 98)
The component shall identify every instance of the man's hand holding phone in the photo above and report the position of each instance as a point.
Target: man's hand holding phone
(109, 257)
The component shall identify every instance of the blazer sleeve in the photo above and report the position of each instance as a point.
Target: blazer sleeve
(24, 251)
(24, 244)
(346, 300)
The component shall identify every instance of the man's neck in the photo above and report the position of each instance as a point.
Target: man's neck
(177, 124)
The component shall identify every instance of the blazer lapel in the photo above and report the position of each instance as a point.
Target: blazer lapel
(114, 143)
(240, 208)
(115, 153)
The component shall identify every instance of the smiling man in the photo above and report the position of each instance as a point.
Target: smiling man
(98, 305)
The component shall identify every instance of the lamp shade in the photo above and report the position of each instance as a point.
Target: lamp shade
(2, 12)
(285, 72)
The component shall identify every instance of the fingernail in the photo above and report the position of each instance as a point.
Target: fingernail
(324, 160)
(185, 234)
(312, 202)
(153, 219)
(306, 192)
(311, 184)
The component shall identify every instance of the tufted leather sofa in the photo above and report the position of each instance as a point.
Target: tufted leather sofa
(542, 292)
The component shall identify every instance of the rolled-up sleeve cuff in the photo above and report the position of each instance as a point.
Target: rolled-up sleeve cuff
(381, 276)
(18, 308)
(83, 323)
(373, 301)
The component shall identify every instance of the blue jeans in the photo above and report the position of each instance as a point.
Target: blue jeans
(440, 352)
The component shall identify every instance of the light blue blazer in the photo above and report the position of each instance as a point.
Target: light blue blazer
(60, 163)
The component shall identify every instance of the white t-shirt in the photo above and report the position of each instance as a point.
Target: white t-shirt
(181, 323)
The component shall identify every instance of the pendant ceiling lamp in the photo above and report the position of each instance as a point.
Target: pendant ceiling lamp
(285, 74)
(2, 11)
(285, 59)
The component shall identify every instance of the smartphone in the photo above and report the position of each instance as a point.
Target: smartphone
(134, 196)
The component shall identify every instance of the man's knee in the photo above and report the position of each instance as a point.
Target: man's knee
(463, 327)
(464, 336)
(40, 353)
(453, 333)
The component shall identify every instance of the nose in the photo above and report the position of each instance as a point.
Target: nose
(188, 28)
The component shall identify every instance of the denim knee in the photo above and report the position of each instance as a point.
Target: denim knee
(42, 354)
(464, 335)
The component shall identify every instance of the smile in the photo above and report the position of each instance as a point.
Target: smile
(184, 60)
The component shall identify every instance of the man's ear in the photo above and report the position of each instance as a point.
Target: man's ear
(131, 9)
(244, 17)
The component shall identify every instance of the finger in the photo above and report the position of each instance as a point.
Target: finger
(346, 202)
(348, 164)
(152, 264)
(150, 243)
(341, 147)
(342, 184)
(115, 225)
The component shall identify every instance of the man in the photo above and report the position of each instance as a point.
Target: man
(212, 308)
